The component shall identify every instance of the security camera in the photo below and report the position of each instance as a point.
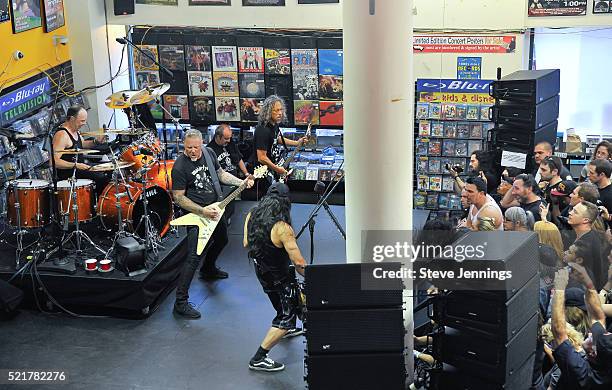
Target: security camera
(18, 54)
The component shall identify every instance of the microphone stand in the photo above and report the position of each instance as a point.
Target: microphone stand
(123, 41)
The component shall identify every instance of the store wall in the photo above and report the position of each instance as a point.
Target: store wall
(38, 49)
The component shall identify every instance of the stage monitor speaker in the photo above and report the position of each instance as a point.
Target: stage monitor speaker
(527, 86)
(354, 331)
(10, 297)
(526, 116)
(478, 312)
(356, 372)
(130, 256)
(525, 140)
(492, 252)
(451, 378)
(334, 286)
(496, 361)
(123, 7)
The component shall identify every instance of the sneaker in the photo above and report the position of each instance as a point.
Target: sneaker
(215, 274)
(293, 332)
(186, 310)
(266, 364)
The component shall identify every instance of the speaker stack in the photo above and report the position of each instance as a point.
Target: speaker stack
(526, 109)
(354, 329)
(490, 336)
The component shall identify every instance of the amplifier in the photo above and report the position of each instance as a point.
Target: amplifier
(451, 378)
(351, 331)
(330, 286)
(527, 86)
(356, 371)
(491, 360)
(526, 116)
(524, 139)
(475, 311)
(491, 253)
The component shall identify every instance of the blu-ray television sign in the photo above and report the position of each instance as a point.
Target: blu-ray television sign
(24, 100)
(455, 86)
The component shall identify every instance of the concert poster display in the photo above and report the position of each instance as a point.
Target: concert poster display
(224, 58)
(4, 11)
(143, 62)
(250, 59)
(210, 2)
(271, 3)
(557, 7)
(227, 109)
(449, 127)
(54, 14)
(26, 15)
(305, 74)
(249, 109)
(278, 61)
(172, 56)
(158, 2)
(198, 58)
(602, 7)
(177, 105)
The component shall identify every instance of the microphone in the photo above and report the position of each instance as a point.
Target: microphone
(121, 40)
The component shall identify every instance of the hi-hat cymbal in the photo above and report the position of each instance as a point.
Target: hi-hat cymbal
(120, 100)
(109, 166)
(76, 151)
(149, 93)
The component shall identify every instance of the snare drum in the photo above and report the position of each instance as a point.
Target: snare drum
(85, 199)
(33, 198)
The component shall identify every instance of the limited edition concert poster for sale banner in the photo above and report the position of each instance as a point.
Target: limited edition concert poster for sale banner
(250, 60)
(198, 58)
(278, 61)
(172, 56)
(226, 83)
(200, 83)
(224, 58)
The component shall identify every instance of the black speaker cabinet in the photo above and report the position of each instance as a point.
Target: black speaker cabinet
(494, 361)
(523, 139)
(526, 116)
(527, 86)
(123, 7)
(473, 310)
(493, 252)
(333, 286)
(354, 331)
(451, 378)
(356, 372)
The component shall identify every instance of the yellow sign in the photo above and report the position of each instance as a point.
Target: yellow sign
(460, 98)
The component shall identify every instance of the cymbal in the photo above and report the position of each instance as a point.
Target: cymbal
(115, 131)
(76, 151)
(109, 166)
(120, 100)
(149, 93)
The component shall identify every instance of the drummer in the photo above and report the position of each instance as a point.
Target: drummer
(67, 136)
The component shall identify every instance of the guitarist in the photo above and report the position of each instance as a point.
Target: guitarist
(268, 139)
(196, 178)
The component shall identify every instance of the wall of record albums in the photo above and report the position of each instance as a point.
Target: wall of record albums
(225, 76)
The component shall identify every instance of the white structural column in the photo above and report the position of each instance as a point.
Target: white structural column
(378, 117)
(87, 38)
(378, 125)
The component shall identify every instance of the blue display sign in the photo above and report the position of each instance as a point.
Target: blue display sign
(455, 86)
(469, 68)
(24, 100)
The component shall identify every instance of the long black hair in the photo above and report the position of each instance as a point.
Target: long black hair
(271, 209)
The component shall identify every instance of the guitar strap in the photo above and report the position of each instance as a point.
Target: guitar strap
(283, 141)
(213, 173)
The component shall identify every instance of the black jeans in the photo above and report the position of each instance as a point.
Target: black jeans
(209, 256)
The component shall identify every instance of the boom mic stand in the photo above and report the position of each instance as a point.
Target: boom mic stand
(310, 222)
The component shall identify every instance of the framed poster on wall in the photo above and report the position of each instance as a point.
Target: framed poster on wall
(4, 11)
(271, 3)
(158, 2)
(54, 14)
(557, 7)
(602, 7)
(317, 1)
(210, 2)
(26, 15)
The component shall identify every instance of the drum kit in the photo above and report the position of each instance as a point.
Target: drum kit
(135, 202)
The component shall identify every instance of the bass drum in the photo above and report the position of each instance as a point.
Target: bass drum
(160, 208)
(157, 175)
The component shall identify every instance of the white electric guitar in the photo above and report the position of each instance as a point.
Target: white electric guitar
(206, 226)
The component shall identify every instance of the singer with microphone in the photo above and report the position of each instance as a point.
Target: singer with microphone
(67, 136)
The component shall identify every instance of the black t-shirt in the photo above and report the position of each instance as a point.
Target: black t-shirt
(266, 138)
(594, 261)
(195, 179)
(534, 207)
(605, 197)
(228, 156)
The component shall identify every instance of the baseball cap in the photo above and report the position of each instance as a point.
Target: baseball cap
(603, 343)
(574, 297)
(278, 189)
(564, 188)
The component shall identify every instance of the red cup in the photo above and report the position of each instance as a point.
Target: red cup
(105, 265)
(91, 264)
